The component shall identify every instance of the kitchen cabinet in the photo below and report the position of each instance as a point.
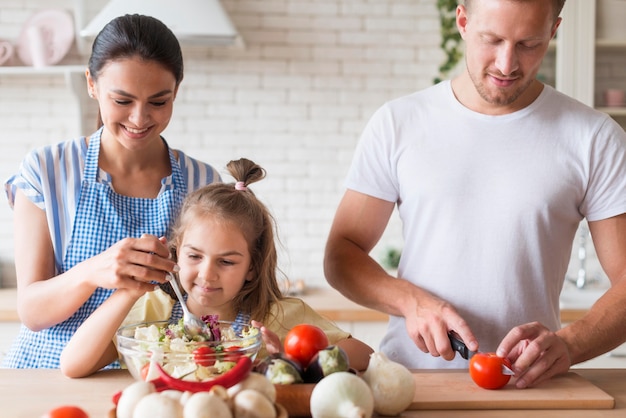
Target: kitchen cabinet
(581, 56)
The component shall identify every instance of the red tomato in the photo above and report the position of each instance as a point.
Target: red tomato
(229, 355)
(66, 411)
(303, 342)
(486, 370)
(204, 356)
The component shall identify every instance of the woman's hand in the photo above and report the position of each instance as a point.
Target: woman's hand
(132, 263)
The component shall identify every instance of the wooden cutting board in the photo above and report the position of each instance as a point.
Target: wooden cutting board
(456, 390)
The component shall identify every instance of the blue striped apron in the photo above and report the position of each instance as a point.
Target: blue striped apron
(103, 217)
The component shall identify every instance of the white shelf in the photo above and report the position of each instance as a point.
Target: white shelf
(49, 70)
(610, 43)
(613, 111)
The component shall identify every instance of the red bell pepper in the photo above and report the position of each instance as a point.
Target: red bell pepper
(235, 375)
(240, 371)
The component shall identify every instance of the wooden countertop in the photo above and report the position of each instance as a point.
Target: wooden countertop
(29, 393)
(326, 301)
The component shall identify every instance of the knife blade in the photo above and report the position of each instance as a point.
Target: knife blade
(459, 346)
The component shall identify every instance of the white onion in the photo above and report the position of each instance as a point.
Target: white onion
(392, 384)
(342, 395)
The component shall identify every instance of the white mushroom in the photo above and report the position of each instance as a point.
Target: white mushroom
(174, 394)
(258, 382)
(185, 397)
(131, 396)
(250, 403)
(156, 405)
(206, 405)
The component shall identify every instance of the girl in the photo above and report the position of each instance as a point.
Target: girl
(224, 244)
(82, 206)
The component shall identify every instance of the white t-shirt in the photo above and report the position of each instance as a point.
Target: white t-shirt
(489, 204)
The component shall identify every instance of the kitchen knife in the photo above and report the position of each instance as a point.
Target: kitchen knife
(459, 346)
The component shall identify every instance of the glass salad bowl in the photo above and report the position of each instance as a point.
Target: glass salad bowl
(142, 346)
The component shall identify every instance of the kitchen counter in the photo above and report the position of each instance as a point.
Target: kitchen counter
(30, 393)
(326, 301)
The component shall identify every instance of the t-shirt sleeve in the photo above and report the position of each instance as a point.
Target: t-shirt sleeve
(293, 311)
(606, 195)
(372, 171)
(28, 180)
(152, 306)
(197, 173)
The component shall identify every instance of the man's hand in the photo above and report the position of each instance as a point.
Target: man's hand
(536, 353)
(429, 321)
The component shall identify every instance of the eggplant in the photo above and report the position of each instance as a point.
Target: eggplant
(280, 369)
(327, 361)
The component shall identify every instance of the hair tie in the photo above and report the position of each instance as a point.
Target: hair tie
(240, 185)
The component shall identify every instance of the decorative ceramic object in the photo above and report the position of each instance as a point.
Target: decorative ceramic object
(614, 97)
(6, 51)
(46, 38)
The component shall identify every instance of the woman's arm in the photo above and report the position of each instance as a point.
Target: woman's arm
(91, 347)
(44, 300)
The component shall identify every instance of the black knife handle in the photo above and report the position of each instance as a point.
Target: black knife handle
(458, 345)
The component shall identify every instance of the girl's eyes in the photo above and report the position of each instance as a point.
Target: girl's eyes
(193, 256)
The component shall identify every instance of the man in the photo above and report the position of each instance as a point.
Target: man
(491, 173)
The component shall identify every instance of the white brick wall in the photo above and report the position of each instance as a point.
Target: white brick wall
(295, 100)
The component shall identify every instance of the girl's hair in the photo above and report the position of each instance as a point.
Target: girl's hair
(236, 204)
(139, 36)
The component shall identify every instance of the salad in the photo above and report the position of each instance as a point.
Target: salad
(194, 358)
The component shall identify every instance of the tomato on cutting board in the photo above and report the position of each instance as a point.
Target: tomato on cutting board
(303, 342)
(486, 370)
(66, 411)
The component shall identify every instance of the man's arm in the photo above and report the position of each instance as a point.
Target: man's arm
(603, 328)
(358, 225)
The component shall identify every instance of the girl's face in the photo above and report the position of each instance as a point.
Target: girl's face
(136, 100)
(214, 264)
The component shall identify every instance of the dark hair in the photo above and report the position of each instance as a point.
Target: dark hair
(136, 36)
(236, 204)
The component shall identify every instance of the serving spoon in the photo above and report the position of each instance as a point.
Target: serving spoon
(193, 325)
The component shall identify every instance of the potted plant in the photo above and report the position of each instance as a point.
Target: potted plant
(450, 38)
(391, 259)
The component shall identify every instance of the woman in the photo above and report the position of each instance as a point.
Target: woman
(88, 211)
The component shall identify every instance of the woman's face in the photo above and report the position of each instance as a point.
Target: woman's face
(136, 100)
(214, 262)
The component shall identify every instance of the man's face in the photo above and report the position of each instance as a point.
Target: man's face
(506, 41)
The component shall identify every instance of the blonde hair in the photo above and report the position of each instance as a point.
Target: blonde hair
(557, 7)
(237, 204)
